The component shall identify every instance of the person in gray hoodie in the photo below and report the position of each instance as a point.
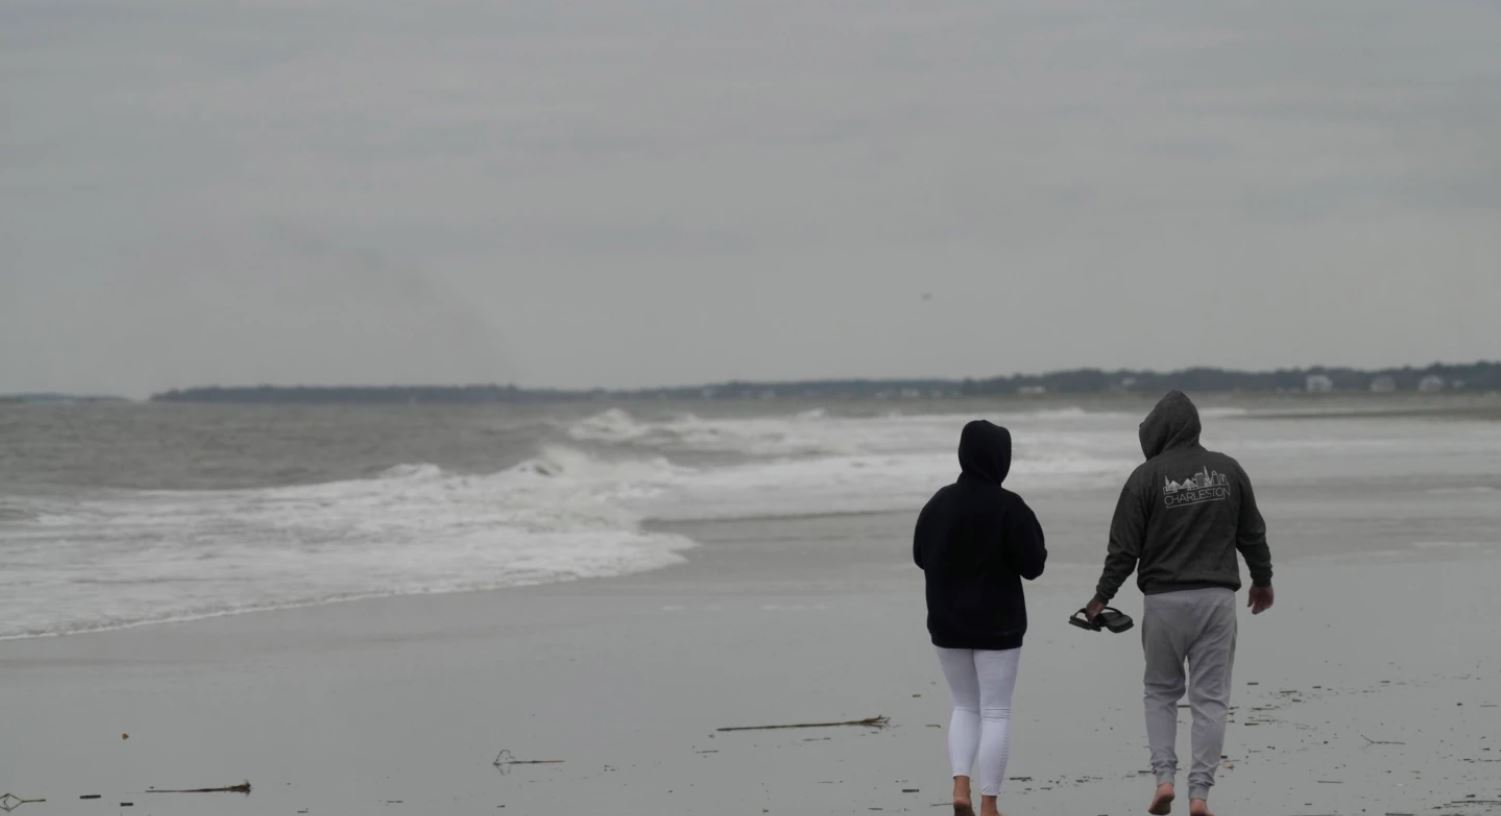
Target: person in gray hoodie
(1181, 518)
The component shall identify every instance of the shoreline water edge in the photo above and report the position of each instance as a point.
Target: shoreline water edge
(1367, 689)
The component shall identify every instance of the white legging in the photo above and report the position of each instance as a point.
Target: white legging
(981, 682)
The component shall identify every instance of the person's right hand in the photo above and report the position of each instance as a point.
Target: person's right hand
(1260, 599)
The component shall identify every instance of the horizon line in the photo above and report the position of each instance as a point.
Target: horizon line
(741, 383)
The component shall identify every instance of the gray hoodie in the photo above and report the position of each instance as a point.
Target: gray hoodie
(1184, 513)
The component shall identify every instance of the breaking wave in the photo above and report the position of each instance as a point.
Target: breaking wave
(574, 510)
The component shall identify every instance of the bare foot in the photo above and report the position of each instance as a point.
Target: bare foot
(1198, 807)
(962, 806)
(1162, 800)
(988, 806)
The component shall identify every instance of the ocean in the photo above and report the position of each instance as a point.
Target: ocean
(117, 515)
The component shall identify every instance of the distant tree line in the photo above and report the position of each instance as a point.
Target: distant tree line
(1482, 376)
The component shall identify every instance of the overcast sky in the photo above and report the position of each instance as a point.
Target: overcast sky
(631, 193)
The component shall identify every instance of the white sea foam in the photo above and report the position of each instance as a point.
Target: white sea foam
(121, 558)
(1066, 412)
(814, 462)
(135, 556)
(612, 425)
(1218, 411)
(816, 432)
(78, 561)
(1449, 545)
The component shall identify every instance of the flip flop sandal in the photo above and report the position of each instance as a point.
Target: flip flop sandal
(1109, 618)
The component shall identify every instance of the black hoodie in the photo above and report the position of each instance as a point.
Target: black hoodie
(1184, 513)
(975, 541)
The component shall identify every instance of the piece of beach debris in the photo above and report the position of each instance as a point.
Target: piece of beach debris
(91, 796)
(10, 801)
(243, 787)
(869, 722)
(1370, 741)
(505, 758)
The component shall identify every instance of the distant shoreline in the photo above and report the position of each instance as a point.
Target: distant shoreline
(1471, 378)
(1467, 378)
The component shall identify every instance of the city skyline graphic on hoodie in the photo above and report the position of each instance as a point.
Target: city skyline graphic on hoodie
(1204, 486)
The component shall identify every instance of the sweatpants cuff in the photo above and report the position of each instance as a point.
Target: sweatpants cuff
(1166, 777)
(1198, 793)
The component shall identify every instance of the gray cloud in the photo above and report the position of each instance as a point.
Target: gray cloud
(581, 193)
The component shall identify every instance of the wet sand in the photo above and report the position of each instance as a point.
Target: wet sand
(1372, 687)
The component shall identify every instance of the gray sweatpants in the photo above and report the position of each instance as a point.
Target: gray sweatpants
(1196, 625)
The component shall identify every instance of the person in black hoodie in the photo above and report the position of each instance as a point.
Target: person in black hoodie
(975, 541)
(1182, 516)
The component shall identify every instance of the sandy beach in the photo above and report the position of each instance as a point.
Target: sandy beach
(1370, 688)
(461, 408)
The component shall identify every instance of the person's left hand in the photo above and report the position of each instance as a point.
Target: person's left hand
(1093, 609)
(1260, 599)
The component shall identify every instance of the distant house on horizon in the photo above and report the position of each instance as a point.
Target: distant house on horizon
(1384, 384)
(1431, 383)
(1318, 384)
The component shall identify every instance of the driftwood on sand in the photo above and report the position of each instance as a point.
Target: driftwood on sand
(505, 757)
(868, 722)
(1370, 741)
(10, 801)
(243, 787)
